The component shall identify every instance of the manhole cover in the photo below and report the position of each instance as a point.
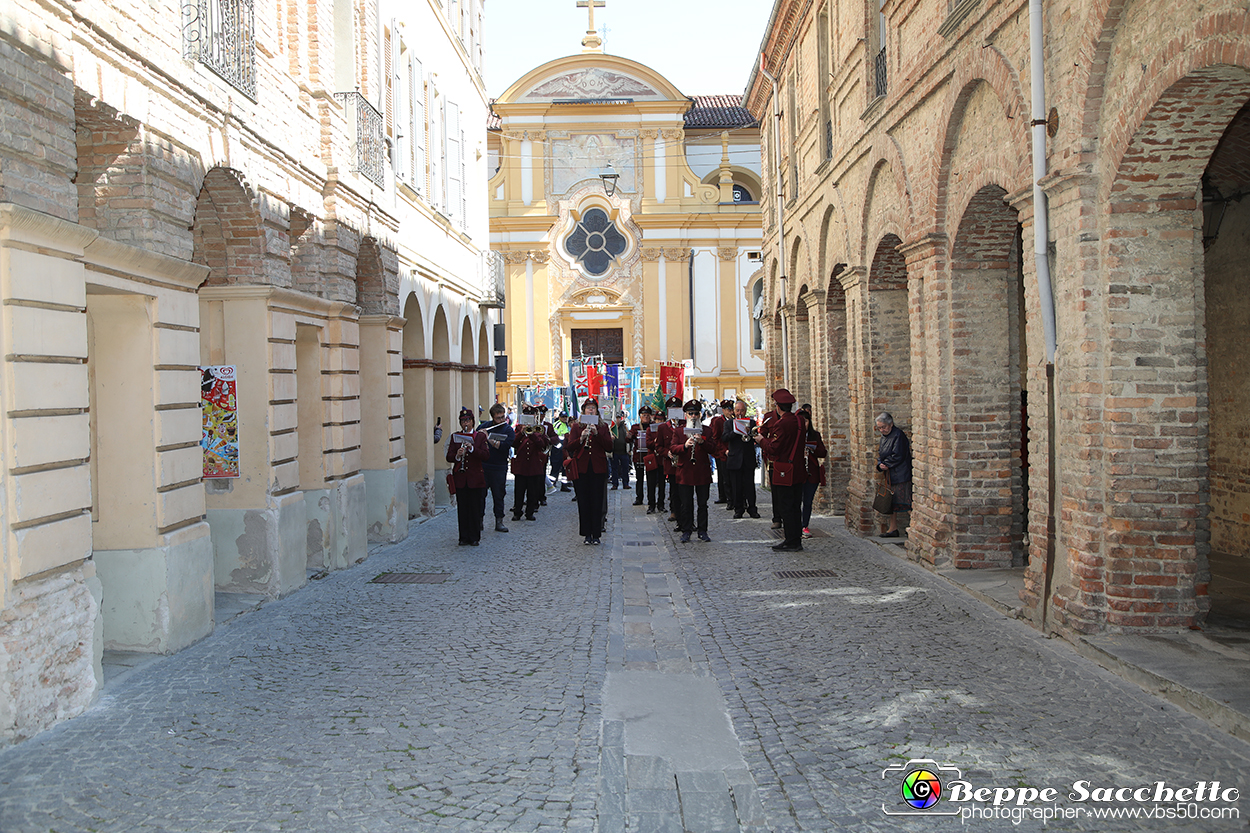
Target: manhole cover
(411, 578)
(640, 543)
(805, 574)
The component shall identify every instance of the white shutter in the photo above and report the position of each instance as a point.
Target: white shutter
(416, 127)
(452, 162)
(464, 183)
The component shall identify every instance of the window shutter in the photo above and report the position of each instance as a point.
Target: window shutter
(388, 95)
(416, 110)
(452, 163)
(464, 183)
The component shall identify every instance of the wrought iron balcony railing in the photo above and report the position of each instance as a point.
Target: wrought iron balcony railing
(221, 34)
(828, 138)
(493, 279)
(368, 137)
(878, 65)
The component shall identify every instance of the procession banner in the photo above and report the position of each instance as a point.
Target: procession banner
(219, 412)
(612, 380)
(594, 380)
(672, 380)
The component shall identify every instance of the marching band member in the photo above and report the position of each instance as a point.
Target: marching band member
(586, 450)
(648, 475)
(723, 414)
(670, 434)
(528, 466)
(467, 477)
(785, 446)
(692, 453)
(740, 463)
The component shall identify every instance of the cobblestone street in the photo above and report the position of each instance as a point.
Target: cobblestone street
(641, 685)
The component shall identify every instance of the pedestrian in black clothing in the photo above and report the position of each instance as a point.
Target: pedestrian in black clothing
(739, 462)
(894, 460)
(500, 437)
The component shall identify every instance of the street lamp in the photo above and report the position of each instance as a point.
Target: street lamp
(609, 177)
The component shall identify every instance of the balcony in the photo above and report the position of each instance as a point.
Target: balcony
(368, 139)
(493, 280)
(221, 35)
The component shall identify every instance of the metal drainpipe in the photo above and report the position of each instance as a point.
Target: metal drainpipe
(1041, 257)
(781, 222)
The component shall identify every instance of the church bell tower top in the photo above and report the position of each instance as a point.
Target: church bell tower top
(592, 42)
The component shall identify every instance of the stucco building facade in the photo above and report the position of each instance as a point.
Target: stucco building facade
(905, 240)
(676, 277)
(217, 183)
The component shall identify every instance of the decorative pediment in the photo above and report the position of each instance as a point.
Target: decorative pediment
(595, 298)
(591, 82)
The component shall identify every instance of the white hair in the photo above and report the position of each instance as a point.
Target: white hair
(884, 418)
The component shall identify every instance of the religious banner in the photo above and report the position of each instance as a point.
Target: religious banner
(219, 413)
(594, 380)
(628, 386)
(611, 380)
(673, 380)
(578, 382)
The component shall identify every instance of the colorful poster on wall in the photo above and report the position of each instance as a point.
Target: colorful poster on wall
(220, 413)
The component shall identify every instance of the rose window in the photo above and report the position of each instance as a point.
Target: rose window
(595, 242)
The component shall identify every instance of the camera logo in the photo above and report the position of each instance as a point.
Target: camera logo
(920, 785)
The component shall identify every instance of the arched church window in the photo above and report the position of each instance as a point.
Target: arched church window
(742, 194)
(595, 243)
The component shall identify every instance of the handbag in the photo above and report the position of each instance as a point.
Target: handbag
(451, 483)
(650, 463)
(883, 503)
(783, 473)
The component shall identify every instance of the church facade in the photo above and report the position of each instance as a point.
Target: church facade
(660, 264)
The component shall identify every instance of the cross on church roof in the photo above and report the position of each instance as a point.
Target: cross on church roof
(592, 42)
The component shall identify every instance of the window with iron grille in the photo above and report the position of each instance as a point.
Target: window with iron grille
(368, 137)
(221, 35)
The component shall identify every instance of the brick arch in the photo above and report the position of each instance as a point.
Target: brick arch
(370, 278)
(800, 267)
(1217, 66)
(896, 211)
(227, 231)
(1102, 23)
(889, 268)
(990, 67)
(1155, 541)
(887, 219)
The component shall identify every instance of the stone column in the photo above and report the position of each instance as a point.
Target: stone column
(382, 457)
(861, 440)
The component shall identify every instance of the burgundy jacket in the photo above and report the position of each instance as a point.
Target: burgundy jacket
(531, 453)
(666, 435)
(692, 466)
(814, 456)
(717, 424)
(783, 445)
(592, 458)
(468, 473)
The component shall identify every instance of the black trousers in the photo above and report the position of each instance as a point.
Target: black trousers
(640, 481)
(674, 497)
(742, 490)
(690, 497)
(788, 500)
(469, 503)
(776, 503)
(527, 491)
(496, 483)
(655, 487)
(590, 503)
(722, 481)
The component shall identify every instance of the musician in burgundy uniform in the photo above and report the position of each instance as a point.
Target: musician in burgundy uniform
(740, 462)
(786, 447)
(642, 439)
(669, 434)
(468, 477)
(587, 449)
(529, 466)
(692, 451)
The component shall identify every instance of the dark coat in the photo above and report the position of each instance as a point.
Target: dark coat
(507, 438)
(895, 452)
(640, 455)
(816, 452)
(739, 450)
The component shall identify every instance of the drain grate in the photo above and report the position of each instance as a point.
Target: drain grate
(805, 574)
(639, 543)
(410, 578)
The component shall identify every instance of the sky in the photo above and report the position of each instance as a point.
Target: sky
(705, 47)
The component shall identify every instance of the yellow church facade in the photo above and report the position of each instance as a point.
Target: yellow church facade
(659, 260)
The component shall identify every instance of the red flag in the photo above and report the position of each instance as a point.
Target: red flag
(594, 380)
(672, 380)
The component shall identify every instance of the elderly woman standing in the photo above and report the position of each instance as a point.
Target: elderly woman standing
(894, 460)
